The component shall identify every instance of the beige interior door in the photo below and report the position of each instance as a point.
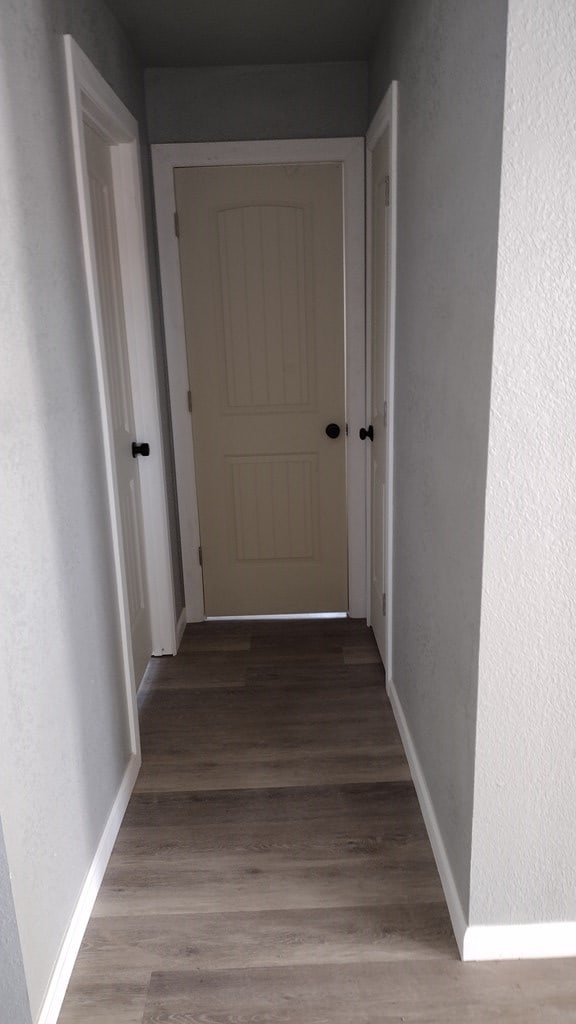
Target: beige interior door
(380, 261)
(261, 254)
(119, 392)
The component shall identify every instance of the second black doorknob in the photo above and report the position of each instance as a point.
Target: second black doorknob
(140, 449)
(333, 430)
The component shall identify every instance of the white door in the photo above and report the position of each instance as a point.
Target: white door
(261, 253)
(119, 389)
(380, 264)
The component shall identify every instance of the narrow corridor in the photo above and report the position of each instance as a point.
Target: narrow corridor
(273, 865)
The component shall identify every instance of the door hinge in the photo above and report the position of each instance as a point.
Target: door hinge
(387, 190)
(189, 401)
(200, 556)
(385, 414)
(176, 224)
(384, 604)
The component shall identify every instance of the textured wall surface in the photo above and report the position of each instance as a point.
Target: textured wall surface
(292, 101)
(524, 863)
(448, 57)
(97, 32)
(63, 728)
(14, 1004)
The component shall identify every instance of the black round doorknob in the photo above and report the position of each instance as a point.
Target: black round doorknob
(140, 449)
(333, 430)
(367, 432)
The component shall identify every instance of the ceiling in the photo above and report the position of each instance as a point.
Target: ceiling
(188, 33)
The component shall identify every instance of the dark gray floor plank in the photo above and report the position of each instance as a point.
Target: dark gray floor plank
(416, 991)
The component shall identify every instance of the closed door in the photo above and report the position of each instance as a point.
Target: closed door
(380, 263)
(262, 280)
(120, 407)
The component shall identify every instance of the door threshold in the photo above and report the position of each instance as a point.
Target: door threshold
(259, 618)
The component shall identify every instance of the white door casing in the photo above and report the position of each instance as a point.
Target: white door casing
(93, 101)
(262, 281)
(381, 199)
(349, 153)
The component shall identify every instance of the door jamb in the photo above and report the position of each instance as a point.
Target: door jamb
(386, 116)
(92, 100)
(350, 154)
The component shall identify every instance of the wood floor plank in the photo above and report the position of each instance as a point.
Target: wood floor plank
(214, 643)
(264, 885)
(193, 732)
(295, 654)
(240, 724)
(207, 670)
(190, 772)
(394, 932)
(325, 838)
(215, 670)
(392, 802)
(269, 675)
(117, 996)
(421, 991)
(199, 724)
(360, 655)
(270, 705)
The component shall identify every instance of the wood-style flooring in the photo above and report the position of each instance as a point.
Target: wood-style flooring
(273, 866)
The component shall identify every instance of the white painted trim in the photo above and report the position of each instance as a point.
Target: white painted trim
(178, 384)
(180, 627)
(91, 98)
(350, 154)
(353, 167)
(146, 398)
(60, 977)
(455, 910)
(540, 941)
(386, 116)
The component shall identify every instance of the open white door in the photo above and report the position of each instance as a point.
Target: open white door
(123, 426)
(381, 287)
(107, 162)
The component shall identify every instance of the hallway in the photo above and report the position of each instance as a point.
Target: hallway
(273, 865)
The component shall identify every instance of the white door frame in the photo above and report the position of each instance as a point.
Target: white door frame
(349, 153)
(92, 100)
(385, 117)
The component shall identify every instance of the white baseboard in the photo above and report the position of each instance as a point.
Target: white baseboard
(455, 910)
(540, 941)
(58, 984)
(180, 627)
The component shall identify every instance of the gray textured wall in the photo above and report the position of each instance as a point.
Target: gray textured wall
(449, 59)
(63, 730)
(269, 102)
(525, 788)
(14, 1004)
